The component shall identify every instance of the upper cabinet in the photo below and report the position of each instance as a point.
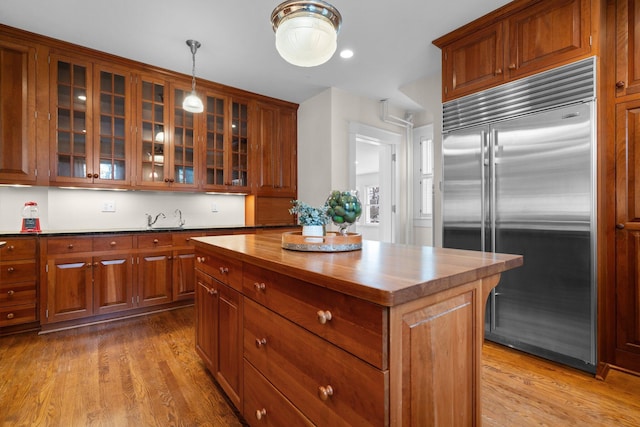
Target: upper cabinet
(89, 123)
(17, 113)
(276, 154)
(517, 40)
(627, 47)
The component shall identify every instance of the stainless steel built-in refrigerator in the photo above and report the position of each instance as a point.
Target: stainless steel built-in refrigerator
(518, 177)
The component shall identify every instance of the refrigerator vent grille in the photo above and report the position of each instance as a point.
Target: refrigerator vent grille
(561, 86)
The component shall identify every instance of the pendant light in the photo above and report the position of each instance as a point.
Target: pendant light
(306, 31)
(191, 102)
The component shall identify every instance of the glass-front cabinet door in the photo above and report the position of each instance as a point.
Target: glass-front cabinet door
(71, 121)
(184, 170)
(227, 143)
(90, 123)
(152, 137)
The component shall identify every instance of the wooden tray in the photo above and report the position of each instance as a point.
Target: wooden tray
(332, 242)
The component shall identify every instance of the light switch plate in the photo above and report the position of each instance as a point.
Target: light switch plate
(108, 206)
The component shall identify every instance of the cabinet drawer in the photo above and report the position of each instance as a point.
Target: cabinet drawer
(226, 270)
(355, 325)
(266, 406)
(17, 248)
(112, 243)
(15, 315)
(18, 293)
(17, 271)
(154, 240)
(68, 245)
(184, 239)
(327, 384)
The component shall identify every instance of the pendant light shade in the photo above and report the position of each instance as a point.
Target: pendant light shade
(306, 31)
(192, 103)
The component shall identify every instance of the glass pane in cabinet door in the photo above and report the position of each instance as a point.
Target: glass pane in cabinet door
(239, 144)
(112, 124)
(215, 114)
(153, 133)
(183, 141)
(64, 165)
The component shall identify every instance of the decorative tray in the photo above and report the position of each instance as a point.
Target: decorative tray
(332, 242)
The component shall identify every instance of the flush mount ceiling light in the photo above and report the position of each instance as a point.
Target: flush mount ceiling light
(306, 31)
(191, 102)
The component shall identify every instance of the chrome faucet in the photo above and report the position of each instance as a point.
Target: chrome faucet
(150, 222)
(181, 221)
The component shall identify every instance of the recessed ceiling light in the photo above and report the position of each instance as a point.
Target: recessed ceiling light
(346, 53)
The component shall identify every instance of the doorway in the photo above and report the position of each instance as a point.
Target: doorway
(373, 175)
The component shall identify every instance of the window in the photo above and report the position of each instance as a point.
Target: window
(424, 201)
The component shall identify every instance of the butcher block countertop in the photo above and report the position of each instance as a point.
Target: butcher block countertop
(382, 273)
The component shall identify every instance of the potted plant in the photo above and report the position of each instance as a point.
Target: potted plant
(312, 219)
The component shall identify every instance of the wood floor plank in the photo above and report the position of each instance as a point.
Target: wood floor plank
(144, 372)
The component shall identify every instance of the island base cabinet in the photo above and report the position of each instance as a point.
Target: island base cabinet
(330, 386)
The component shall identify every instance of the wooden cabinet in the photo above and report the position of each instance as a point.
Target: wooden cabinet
(18, 280)
(627, 74)
(627, 289)
(276, 153)
(90, 123)
(18, 151)
(325, 344)
(517, 40)
(184, 282)
(154, 269)
(219, 330)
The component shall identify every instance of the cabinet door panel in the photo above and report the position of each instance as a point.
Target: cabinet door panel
(113, 283)
(549, 33)
(206, 319)
(627, 47)
(627, 352)
(228, 372)
(183, 274)
(154, 278)
(17, 113)
(474, 62)
(70, 290)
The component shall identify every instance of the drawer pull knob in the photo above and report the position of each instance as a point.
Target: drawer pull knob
(260, 413)
(213, 292)
(11, 292)
(224, 270)
(10, 248)
(155, 241)
(261, 342)
(11, 269)
(113, 243)
(70, 246)
(620, 84)
(512, 66)
(324, 316)
(10, 316)
(259, 286)
(325, 392)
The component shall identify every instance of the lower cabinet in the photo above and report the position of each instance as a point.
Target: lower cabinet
(86, 276)
(219, 332)
(18, 279)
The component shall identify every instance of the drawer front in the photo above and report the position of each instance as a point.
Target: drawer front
(15, 315)
(17, 248)
(226, 270)
(112, 243)
(355, 325)
(17, 271)
(18, 293)
(154, 240)
(67, 245)
(327, 384)
(184, 239)
(266, 406)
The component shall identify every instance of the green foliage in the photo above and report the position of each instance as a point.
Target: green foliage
(309, 215)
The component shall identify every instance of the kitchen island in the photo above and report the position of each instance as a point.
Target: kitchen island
(386, 335)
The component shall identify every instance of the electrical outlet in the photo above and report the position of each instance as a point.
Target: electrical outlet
(108, 206)
(214, 207)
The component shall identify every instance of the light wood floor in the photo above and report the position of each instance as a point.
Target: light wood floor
(144, 372)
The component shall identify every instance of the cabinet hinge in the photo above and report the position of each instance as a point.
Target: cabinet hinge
(393, 208)
(590, 40)
(393, 157)
(46, 268)
(46, 313)
(48, 59)
(35, 56)
(35, 172)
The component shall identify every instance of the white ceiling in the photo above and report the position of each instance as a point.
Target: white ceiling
(391, 40)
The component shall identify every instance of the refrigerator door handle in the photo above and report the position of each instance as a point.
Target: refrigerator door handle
(484, 161)
(492, 193)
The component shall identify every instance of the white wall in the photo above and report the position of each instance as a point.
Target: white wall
(323, 124)
(77, 210)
